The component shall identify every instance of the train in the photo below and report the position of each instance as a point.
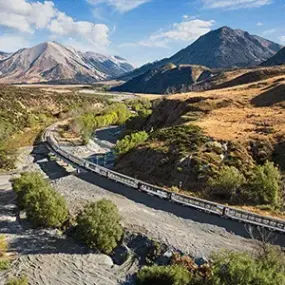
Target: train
(272, 224)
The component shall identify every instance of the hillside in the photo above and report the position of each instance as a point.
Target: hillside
(25, 112)
(277, 59)
(53, 62)
(193, 135)
(221, 48)
(167, 79)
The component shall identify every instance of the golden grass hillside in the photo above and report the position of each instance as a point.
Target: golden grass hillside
(194, 135)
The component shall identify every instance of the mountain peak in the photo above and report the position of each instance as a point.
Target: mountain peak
(52, 61)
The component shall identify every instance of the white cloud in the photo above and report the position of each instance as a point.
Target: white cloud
(269, 32)
(121, 6)
(282, 39)
(27, 17)
(12, 43)
(186, 31)
(24, 16)
(63, 25)
(259, 24)
(234, 4)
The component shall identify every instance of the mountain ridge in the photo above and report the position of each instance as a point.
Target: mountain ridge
(221, 48)
(277, 59)
(52, 61)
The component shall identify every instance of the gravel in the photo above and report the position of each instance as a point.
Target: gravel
(47, 257)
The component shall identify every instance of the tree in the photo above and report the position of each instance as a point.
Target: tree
(27, 182)
(43, 205)
(46, 208)
(230, 268)
(163, 275)
(264, 185)
(226, 183)
(98, 225)
(130, 141)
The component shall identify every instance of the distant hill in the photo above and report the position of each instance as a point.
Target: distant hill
(222, 48)
(166, 79)
(54, 62)
(277, 59)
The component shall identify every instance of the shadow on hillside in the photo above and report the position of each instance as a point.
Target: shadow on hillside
(270, 97)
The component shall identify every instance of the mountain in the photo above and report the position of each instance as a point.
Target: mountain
(277, 59)
(4, 55)
(222, 48)
(167, 79)
(54, 62)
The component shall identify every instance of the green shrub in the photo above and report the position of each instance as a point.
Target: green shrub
(3, 245)
(43, 205)
(139, 104)
(242, 269)
(4, 264)
(4, 260)
(7, 159)
(182, 139)
(163, 275)
(86, 124)
(130, 141)
(27, 182)
(226, 183)
(264, 185)
(23, 280)
(98, 225)
(46, 208)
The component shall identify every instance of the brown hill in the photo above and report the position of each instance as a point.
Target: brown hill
(239, 126)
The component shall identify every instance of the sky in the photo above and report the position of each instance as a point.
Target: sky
(139, 30)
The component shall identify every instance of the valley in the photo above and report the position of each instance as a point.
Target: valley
(205, 125)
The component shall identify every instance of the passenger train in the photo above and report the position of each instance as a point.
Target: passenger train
(200, 204)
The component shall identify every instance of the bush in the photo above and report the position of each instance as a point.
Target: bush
(23, 280)
(163, 275)
(98, 225)
(43, 205)
(264, 185)
(28, 182)
(115, 114)
(3, 245)
(4, 261)
(130, 141)
(241, 269)
(46, 208)
(226, 183)
(7, 159)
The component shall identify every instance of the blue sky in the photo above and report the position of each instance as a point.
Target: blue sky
(138, 30)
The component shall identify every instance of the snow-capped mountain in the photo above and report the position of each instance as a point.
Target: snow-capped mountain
(54, 62)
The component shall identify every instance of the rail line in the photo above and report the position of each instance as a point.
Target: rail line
(272, 224)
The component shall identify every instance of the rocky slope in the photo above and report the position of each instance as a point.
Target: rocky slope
(53, 62)
(222, 48)
(277, 59)
(167, 79)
